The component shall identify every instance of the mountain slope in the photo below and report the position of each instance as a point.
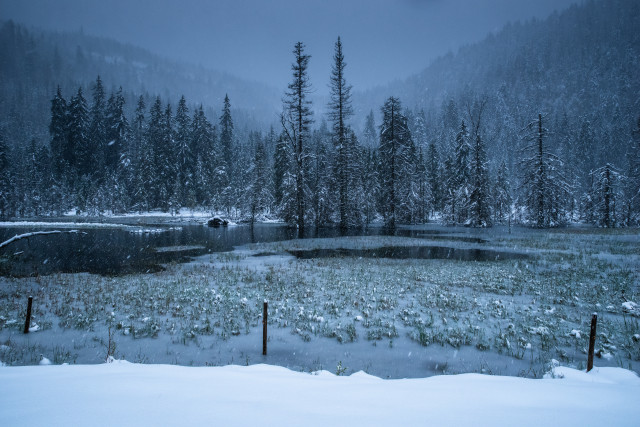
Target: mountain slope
(34, 62)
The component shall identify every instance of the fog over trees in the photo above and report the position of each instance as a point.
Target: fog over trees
(538, 124)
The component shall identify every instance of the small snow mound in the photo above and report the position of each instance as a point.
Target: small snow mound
(630, 307)
(44, 361)
(540, 330)
(34, 328)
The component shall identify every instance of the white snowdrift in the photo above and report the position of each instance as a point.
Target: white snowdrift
(126, 394)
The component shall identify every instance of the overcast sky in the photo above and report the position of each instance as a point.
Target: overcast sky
(383, 40)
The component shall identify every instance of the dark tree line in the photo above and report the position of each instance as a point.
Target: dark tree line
(413, 167)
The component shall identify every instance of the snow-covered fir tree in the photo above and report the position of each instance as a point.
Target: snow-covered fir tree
(225, 162)
(502, 199)
(395, 150)
(545, 189)
(58, 127)
(77, 152)
(183, 190)
(607, 196)
(93, 158)
(458, 180)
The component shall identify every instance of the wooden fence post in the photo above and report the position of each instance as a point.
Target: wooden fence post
(592, 342)
(264, 329)
(27, 322)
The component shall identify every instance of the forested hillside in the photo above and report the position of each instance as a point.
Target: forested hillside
(538, 124)
(34, 62)
(580, 68)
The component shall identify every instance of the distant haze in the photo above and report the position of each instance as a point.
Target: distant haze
(383, 40)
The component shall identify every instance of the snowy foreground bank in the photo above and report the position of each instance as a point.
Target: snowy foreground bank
(123, 393)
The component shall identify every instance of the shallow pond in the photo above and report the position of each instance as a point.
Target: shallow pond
(126, 248)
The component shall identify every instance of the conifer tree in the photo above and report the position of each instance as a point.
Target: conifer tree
(296, 120)
(284, 180)
(339, 112)
(77, 152)
(258, 192)
(544, 186)
(370, 184)
(153, 161)
(58, 134)
(321, 176)
(479, 198)
(117, 130)
(502, 194)
(206, 174)
(433, 176)
(395, 141)
(94, 161)
(226, 161)
(5, 178)
(458, 179)
(370, 134)
(607, 196)
(139, 151)
(185, 160)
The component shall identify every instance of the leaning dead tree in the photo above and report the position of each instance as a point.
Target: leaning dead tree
(35, 233)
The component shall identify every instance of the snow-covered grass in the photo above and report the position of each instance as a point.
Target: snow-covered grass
(390, 317)
(126, 394)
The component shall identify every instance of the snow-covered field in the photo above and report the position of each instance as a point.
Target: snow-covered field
(126, 394)
(392, 318)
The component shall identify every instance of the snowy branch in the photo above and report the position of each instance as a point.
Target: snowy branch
(35, 233)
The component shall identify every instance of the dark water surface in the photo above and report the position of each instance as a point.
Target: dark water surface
(411, 252)
(115, 251)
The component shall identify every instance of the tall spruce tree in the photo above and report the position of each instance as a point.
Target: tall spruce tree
(77, 152)
(203, 145)
(94, 161)
(459, 179)
(153, 161)
(479, 198)
(395, 141)
(58, 134)
(226, 145)
(117, 131)
(339, 112)
(139, 151)
(185, 160)
(296, 121)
